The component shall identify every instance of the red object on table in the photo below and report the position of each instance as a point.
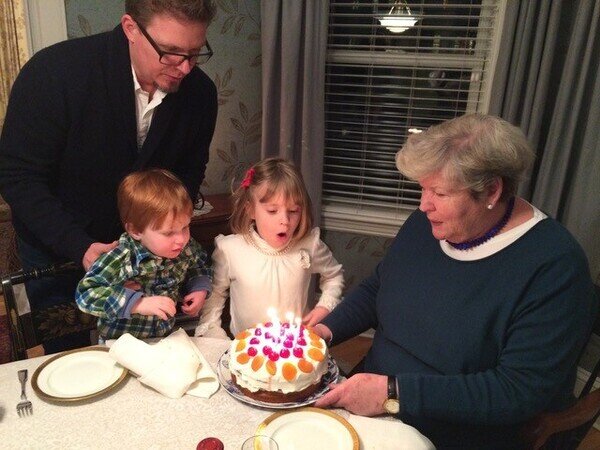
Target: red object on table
(210, 443)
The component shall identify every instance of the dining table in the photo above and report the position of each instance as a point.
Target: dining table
(132, 415)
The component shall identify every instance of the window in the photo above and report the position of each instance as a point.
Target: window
(380, 83)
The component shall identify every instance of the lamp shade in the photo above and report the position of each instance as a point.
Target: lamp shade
(399, 18)
(397, 23)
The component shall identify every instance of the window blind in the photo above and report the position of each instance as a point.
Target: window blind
(380, 84)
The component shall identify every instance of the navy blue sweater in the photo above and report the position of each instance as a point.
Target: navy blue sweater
(479, 347)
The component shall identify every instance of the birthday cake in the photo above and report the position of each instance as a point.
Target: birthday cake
(278, 362)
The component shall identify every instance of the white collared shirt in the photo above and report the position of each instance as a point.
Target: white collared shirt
(144, 110)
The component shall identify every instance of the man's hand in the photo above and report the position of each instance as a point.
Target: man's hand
(94, 251)
(362, 394)
(193, 303)
(315, 316)
(155, 305)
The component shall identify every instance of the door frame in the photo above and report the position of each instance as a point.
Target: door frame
(47, 23)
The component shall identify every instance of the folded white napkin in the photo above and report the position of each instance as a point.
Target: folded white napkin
(388, 434)
(174, 366)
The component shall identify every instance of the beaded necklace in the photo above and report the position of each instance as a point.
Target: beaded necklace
(466, 245)
(253, 243)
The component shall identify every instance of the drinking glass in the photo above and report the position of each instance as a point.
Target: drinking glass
(260, 442)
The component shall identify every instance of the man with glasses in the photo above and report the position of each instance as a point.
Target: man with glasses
(86, 112)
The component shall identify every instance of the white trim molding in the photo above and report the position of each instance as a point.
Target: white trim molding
(582, 377)
(362, 219)
(47, 23)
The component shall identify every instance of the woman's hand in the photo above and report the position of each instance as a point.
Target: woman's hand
(193, 303)
(315, 316)
(362, 394)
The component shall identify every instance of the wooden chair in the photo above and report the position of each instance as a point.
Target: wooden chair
(31, 330)
(566, 429)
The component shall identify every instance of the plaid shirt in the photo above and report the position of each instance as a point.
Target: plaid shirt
(102, 294)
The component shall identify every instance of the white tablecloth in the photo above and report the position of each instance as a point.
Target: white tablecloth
(131, 416)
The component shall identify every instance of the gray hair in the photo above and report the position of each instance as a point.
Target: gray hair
(142, 11)
(470, 151)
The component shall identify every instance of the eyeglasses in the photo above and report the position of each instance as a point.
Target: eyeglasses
(174, 59)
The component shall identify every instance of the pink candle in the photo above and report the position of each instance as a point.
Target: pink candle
(298, 321)
(272, 313)
(289, 317)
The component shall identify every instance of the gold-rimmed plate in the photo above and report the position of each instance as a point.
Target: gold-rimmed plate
(310, 428)
(77, 375)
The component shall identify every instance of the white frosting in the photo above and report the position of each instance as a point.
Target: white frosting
(249, 361)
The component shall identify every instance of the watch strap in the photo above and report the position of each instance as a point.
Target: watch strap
(392, 388)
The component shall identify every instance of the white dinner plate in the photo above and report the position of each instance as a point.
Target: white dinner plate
(77, 375)
(225, 380)
(308, 429)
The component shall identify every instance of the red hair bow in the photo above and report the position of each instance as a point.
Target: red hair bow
(248, 178)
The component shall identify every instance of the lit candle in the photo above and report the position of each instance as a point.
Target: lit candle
(289, 317)
(289, 333)
(272, 313)
(298, 321)
(277, 330)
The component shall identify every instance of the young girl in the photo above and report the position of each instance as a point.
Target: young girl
(269, 260)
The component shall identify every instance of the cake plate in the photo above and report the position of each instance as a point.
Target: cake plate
(224, 376)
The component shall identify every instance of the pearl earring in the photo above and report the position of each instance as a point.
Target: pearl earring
(490, 206)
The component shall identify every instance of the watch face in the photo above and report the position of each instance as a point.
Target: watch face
(391, 406)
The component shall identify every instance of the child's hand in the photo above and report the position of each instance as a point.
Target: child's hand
(324, 332)
(133, 285)
(193, 303)
(315, 316)
(155, 305)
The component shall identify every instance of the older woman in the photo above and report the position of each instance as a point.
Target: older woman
(481, 306)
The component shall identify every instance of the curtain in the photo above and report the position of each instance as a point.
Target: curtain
(294, 44)
(548, 83)
(14, 50)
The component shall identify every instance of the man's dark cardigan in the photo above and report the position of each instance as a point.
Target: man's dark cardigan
(70, 137)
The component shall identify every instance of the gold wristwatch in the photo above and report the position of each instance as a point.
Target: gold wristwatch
(392, 404)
